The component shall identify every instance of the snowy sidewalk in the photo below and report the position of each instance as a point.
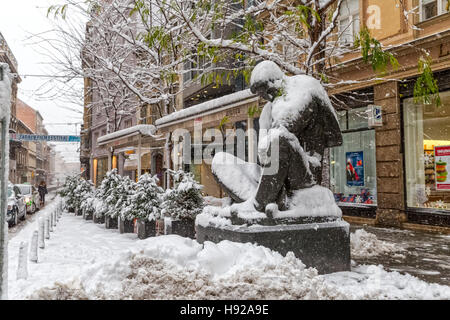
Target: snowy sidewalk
(73, 245)
(83, 260)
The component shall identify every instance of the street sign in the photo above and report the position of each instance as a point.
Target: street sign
(375, 115)
(37, 137)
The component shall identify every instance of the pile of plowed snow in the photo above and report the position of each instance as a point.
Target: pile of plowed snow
(364, 244)
(172, 267)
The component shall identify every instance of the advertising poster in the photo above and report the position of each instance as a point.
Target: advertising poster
(355, 169)
(442, 159)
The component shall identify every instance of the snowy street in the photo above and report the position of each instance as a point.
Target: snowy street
(83, 260)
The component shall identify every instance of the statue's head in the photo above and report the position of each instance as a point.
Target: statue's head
(266, 80)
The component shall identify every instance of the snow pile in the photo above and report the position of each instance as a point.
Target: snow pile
(365, 245)
(311, 202)
(172, 267)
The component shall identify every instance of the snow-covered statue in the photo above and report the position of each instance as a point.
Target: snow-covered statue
(296, 125)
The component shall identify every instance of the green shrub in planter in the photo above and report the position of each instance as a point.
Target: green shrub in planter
(114, 192)
(99, 210)
(183, 203)
(144, 204)
(81, 194)
(68, 192)
(88, 207)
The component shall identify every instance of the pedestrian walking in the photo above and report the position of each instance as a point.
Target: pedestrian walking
(42, 189)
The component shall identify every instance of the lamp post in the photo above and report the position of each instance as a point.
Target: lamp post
(5, 100)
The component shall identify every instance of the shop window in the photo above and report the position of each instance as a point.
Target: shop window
(432, 8)
(353, 164)
(427, 153)
(101, 169)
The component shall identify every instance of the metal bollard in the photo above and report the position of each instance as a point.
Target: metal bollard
(34, 247)
(50, 226)
(54, 217)
(22, 268)
(47, 227)
(41, 233)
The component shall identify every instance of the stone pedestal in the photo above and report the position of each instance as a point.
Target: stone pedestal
(126, 226)
(184, 228)
(324, 246)
(111, 223)
(145, 229)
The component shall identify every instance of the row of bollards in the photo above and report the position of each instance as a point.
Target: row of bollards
(46, 225)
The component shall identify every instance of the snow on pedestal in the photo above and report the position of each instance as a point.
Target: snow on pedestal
(47, 227)
(34, 247)
(41, 232)
(22, 268)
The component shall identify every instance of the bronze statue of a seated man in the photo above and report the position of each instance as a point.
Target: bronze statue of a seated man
(301, 123)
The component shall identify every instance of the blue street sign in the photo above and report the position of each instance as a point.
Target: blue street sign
(37, 137)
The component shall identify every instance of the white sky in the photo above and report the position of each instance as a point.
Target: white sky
(18, 20)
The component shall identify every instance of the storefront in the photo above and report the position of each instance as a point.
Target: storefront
(228, 115)
(131, 151)
(396, 172)
(427, 156)
(353, 178)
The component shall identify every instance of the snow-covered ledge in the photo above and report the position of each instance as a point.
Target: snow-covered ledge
(207, 107)
(140, 129)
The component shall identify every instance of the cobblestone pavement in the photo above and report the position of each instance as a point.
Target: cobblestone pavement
(426, 256)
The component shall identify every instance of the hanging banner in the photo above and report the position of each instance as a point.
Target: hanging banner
(442, 159)
(36, 137)
(355, 169)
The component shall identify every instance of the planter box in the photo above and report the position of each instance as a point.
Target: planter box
(126, 226)
(111, 223)
(184, 228)
(87, 216)
(97, 219)
(145, 228)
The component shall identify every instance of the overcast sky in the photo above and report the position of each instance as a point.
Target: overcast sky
(18, 20)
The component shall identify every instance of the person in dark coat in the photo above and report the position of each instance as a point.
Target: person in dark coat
(42, 189)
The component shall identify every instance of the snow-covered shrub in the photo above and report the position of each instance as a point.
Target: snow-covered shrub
(145, 202)
(82, 193)
(68, 191)
(185, 201)
(114, 192)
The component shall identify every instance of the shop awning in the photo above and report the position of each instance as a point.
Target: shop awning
(140, 129)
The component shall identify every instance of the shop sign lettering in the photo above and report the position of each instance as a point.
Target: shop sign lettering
(442, 160)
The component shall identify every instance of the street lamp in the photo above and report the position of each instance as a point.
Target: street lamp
(5, 106)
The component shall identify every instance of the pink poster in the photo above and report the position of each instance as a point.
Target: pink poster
(442, 160)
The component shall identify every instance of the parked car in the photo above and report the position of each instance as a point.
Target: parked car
(31, 197)
(16, 205)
